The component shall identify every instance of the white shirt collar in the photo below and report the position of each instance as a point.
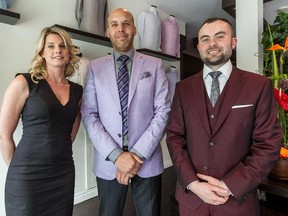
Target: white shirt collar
(226, 70)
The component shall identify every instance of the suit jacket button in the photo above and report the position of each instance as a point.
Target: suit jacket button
(212, 116)
(119, 135)
(205, 168)
(211, 143)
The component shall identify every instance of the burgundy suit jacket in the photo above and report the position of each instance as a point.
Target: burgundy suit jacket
(243, 146)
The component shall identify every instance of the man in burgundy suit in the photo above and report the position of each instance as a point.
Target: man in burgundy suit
(221, 153)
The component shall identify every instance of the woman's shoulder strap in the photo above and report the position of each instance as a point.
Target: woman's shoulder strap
(28, 78)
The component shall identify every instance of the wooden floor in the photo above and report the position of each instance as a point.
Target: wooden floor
(274, 206)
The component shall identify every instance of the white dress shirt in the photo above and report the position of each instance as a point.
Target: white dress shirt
(149, 29)
(79, 76)
(5, 4)
(173, 77)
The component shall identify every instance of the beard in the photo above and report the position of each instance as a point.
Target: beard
(122, 46)
(216, 60)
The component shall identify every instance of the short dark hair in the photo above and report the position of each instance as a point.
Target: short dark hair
(214, 19)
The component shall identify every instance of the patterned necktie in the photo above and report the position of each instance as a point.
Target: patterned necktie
(123, 88)
(215, 90)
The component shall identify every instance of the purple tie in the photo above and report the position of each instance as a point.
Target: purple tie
(123, 88)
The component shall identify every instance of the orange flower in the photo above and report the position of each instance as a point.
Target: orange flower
(278, 47)
(283, 153)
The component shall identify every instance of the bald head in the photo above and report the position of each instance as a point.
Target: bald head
(120, 11)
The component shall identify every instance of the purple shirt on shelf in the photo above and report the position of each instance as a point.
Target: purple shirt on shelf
(170, 40)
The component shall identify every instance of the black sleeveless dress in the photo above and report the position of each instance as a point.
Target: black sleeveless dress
(41, 176)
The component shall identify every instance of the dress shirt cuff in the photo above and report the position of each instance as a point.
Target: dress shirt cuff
(188, 188)
(137, 153)
(115, 154)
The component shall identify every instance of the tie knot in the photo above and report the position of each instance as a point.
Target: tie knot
(215, 74)
(123, 59)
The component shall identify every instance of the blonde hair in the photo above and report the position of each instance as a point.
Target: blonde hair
(38, 70)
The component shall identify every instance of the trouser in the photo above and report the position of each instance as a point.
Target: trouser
(146, 194)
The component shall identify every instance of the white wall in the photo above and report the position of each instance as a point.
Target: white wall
(17, 44)
(249, 28)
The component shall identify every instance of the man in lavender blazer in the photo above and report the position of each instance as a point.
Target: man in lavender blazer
(137, 158)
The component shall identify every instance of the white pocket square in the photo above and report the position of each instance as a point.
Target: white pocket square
(241, 106)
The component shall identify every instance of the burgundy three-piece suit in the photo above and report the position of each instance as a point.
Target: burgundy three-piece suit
(237, 141)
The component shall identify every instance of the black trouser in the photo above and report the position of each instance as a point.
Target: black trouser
(146, 194)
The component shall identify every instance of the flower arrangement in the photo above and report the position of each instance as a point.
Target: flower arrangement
(279, 77)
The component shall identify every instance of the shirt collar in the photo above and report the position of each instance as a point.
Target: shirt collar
(130, 54)
(226, 70)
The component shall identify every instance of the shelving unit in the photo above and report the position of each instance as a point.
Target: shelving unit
(9, 17)
(158, 55)
(279, 188)
(86, 36)
(104, 41)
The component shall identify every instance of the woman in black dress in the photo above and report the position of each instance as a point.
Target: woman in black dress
(41, 173)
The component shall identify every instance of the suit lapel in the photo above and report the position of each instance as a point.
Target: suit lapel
(111, 80)
(234, 86)
(137, 68)
(198, 98)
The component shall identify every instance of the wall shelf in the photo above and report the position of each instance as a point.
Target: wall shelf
(86, 36)
(105, 41)
(9, 17)
(158, 54)
(279, 188)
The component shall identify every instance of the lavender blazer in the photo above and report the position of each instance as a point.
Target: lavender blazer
(148, 108)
